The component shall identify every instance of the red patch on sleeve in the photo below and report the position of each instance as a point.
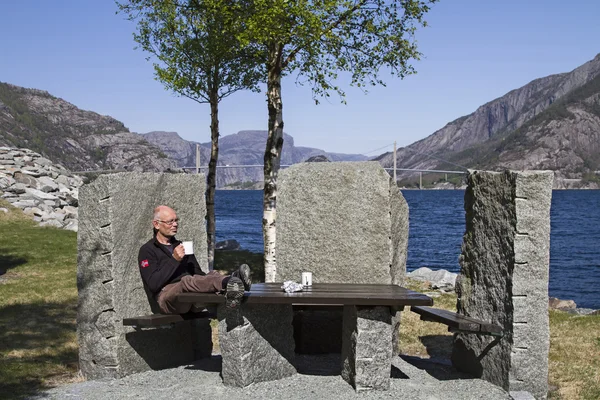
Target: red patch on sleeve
(144, 263)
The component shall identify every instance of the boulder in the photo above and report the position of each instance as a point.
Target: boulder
(504, 274)
(38, 194)
(24, 203)
(71, 225)
(47, 184)
(559, 304)
(51, 222)
(18, 188)
(70, 211)
(27, 180)
(62, 180)
(114, 222)
(439, 279)
(319, 158)
(6, 181)
(230, 244)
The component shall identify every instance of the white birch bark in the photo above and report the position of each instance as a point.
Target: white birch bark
(272, 159)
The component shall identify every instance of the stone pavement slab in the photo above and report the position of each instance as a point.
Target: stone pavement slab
(318, 378)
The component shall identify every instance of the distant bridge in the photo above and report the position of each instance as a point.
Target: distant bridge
(420, 171)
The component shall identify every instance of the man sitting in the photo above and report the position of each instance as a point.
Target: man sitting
(167, 271)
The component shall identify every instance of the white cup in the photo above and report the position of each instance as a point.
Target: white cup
(188, 247)
(307, 279)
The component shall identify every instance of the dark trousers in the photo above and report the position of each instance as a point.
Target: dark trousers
(167, 298)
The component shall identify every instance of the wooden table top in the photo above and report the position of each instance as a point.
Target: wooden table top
(323, 294)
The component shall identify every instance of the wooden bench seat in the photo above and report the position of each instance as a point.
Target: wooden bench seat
(457, 322)
(156, 320)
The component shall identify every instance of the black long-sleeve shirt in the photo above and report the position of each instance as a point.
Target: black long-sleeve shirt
(158, 267)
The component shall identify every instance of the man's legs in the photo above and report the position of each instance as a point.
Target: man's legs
(209, 283)
(212, 282)
(167, 300)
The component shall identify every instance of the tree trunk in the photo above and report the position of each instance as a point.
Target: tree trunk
(272, 158)
(212, 178)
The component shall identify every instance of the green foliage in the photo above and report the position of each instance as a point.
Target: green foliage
(200, 57)
(590, 177)
(99, 154)
(321, 39)
(195, 44)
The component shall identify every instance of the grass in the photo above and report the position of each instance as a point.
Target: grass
(426, 339)
(38, 299)
(574, 359)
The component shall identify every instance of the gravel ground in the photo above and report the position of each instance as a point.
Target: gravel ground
(318, 378)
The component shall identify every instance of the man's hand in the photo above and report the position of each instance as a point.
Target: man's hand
(179, 253)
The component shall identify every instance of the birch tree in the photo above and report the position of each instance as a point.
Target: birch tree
(199, 57)
(319, 39)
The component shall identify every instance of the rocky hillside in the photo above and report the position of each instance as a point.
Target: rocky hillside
(550, 123)
(77, 139)
(242, 148)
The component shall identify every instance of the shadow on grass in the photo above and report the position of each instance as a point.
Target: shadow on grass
(7, 261)
(439, 348)
(37, 345)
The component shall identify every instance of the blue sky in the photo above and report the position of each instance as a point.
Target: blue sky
(474, 51)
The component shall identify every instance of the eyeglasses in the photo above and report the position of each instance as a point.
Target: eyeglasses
(169, 222)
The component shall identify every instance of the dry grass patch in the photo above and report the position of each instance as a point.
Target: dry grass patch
(574, 359)
(421, 338)
(13, 214)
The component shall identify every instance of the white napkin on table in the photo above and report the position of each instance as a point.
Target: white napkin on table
(291, 286)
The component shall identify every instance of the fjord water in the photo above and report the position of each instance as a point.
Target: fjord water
(437, 223)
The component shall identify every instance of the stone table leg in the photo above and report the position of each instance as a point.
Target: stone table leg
(367, 347)
(258, 345)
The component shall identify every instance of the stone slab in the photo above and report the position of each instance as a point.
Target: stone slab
(257, 345)
(504, 278)
(344, 222)
(333, 219)
(115, 214)
(367, 347)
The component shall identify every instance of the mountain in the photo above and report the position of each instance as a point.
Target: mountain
(85, 140)
(242, 148)
(550, 123)
(77, 139)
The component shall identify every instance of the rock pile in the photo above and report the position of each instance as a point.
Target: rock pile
(441, 280)
(46, 191)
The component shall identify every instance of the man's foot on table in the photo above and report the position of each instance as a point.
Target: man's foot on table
(234, 293)
(245, 275)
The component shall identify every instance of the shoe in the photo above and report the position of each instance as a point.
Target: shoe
(245, 275)
(234, 293)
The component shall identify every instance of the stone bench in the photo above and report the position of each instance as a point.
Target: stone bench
(258, 344)
(457, 322)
